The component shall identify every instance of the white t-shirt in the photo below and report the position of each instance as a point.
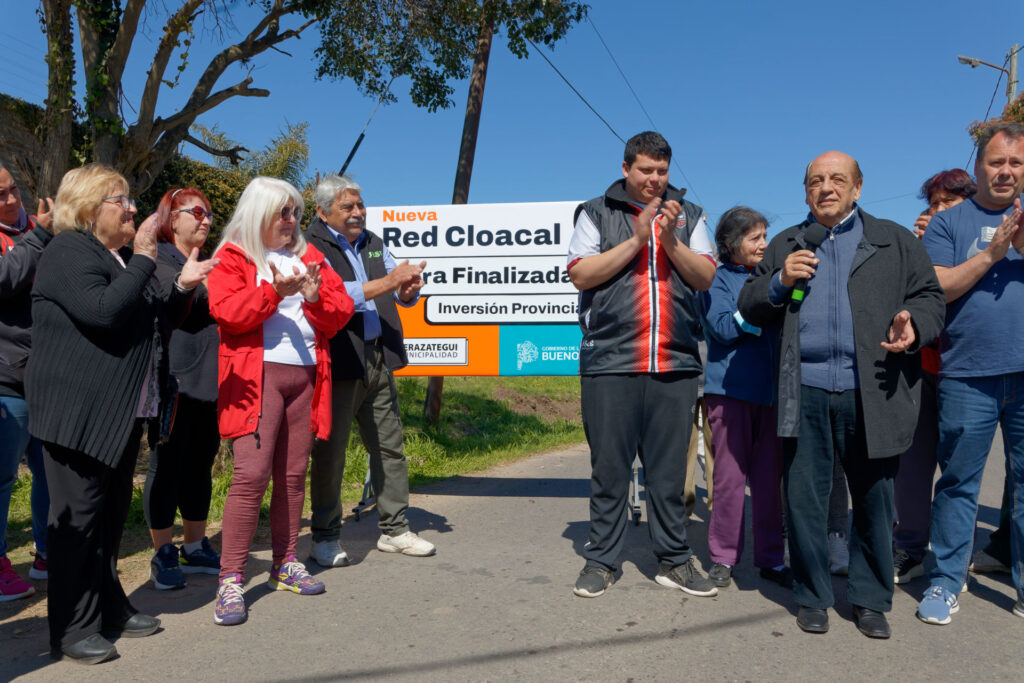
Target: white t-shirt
(586, 240)
(288, 338)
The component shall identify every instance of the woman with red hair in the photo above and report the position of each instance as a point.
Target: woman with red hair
(180, 465)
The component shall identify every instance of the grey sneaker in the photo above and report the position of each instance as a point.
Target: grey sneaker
(720, 575)
(688, 578)
(592, 582)
(983, 563)
(1018, 609)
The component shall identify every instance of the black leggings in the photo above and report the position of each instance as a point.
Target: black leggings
(179, 470)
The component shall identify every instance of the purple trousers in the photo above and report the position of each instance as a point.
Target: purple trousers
(746, 446)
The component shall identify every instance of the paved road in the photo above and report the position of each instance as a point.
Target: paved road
(496, 603)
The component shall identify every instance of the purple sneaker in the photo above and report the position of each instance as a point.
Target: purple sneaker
(230, 606)
(291, 575)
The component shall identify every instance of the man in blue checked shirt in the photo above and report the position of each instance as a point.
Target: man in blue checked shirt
(363, 357)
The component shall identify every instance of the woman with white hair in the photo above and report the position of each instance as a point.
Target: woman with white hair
(100, 323)
(277, 303)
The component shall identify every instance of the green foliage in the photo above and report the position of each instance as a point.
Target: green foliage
(432, 41)
(285, 157)
(222, 187)
(1012, 113)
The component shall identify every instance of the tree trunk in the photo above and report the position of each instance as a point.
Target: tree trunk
(464, 172)
(55, 133)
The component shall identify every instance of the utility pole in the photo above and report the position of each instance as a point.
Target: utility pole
(464, 172)
(1011, 82)
(1011, 72)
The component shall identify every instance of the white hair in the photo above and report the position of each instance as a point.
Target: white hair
(330, 186)
(261, 202)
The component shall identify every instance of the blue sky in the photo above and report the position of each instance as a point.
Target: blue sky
(746, 92)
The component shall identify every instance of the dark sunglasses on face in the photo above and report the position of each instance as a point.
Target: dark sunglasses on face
(199, 212)
(289, 212)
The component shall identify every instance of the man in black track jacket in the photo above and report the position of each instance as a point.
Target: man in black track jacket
(638, 255)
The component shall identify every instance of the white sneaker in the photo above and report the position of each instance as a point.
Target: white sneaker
(329, 554)
(407, 544)
(838, 554)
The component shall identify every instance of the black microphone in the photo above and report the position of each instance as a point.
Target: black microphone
(814, 235)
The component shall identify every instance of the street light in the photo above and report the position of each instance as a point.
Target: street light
(1011, 73)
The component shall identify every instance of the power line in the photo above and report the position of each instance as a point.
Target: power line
(642, 107)
(991, 101)
(571, 87)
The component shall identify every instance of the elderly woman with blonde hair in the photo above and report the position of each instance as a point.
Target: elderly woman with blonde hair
(99, 318)
(277, 303)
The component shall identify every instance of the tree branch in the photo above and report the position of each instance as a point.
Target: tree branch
(233, 155)
(189, 114)
(123, 40)
(175, 25)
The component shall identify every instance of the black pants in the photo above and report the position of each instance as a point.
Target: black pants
(179, 470)
(647, 414)
(88, 507)
(832, 425)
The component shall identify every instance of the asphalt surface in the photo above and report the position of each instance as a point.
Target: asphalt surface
(496, 603)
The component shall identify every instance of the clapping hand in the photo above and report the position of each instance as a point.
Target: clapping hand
(286, 285)
(44, 215)
(310, 287)
(145, 237)
(195, 271)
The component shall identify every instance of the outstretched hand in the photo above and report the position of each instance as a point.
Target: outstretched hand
(286, 285)
(195, 271)
(901, 333)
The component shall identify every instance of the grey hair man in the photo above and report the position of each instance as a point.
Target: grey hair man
(364, 355)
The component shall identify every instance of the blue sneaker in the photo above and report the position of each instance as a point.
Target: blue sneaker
(937, 605)
(164, 569)
(202, 561)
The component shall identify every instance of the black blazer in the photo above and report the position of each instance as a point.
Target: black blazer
(95, 326)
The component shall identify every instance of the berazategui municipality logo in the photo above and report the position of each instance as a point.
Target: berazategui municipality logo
(526, 352)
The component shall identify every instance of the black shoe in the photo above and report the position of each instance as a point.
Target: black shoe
(812, 620)
(871, 623)
(720, 575)
(90, 650)
(137, 626)
(783, 577)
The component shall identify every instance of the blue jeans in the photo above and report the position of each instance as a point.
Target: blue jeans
(16, 442)
(969, 410)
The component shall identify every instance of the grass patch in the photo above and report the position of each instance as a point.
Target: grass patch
(485, 421)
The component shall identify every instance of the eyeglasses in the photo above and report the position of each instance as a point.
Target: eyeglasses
(126, 202)
(291, 212)
(198, 212)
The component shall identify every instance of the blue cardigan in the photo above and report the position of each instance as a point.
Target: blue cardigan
(740, 364)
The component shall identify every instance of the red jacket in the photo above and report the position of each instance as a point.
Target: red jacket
(240, 307)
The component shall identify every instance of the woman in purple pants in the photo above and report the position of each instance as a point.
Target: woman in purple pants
(740, 392)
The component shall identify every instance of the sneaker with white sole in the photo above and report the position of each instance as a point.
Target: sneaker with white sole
(592, 582)
(12, 586)
(291, 575)
(688, 578)
(983, 563)
(1018, 609)
(407, 544)
(203, 560)
(230, 606)
(905, 567)
(838, 554)
(329, 554)
(937, 606)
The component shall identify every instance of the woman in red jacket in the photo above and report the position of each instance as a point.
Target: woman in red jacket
(277, 303)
